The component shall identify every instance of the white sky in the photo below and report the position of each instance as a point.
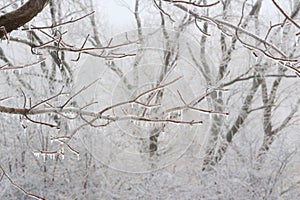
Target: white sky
(118, 14)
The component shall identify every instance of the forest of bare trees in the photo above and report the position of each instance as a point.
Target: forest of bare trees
(188, 100)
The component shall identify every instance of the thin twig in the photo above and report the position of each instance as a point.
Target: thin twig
(19, 187)
(286, 15)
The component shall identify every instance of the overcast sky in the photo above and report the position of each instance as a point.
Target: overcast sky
(118, 14)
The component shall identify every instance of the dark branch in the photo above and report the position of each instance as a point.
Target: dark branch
(17, 18)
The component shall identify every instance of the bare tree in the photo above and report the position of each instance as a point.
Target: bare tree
(196, 104)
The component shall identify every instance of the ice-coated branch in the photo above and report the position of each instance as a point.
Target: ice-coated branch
(18, 186)
(193, 3)
(17, 18)
(286, 15)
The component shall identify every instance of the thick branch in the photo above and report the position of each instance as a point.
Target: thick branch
(21, 111)
(17, 18)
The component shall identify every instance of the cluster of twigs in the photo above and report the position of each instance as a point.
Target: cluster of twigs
(225, 26)
(90, 118)
(64, 109)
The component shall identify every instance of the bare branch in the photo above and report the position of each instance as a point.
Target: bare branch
(8, 67)
(286, 15)
(60, 24)
(19, 187)
(21, 16)
(193, 3)
(162, 11)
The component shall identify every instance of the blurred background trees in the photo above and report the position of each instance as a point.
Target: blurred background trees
(151, 99)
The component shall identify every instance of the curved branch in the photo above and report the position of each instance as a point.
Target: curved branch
(286, 15)
(17, 18)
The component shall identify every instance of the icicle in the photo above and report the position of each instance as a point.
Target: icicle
(70, 114)
(37, 154)
(179, 113)
(145, 124)
(151, 123)
(62, 153)
(15, 71)
(51, 156)
(256, 59)
(149, 109)
(138, 123)
(134, 122)
(44, 157)
(142, 123)
(154, 124)
(227, 117)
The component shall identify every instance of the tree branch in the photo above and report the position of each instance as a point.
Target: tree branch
(17, 18)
